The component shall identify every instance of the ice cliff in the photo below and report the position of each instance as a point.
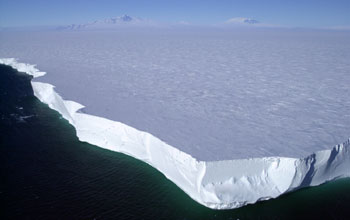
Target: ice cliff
(219, 184)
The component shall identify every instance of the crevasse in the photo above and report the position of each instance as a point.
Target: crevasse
(216, 184)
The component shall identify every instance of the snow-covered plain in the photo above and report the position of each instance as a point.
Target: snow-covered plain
(256, 103)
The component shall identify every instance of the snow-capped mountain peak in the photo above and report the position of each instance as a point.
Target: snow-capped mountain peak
(122, 19)
(242, 20)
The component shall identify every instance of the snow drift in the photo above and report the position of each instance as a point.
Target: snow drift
(218, 185)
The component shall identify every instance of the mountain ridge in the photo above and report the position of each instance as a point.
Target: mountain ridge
(124, 20)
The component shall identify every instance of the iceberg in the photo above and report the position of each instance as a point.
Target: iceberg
(224, 184)
(231, 117)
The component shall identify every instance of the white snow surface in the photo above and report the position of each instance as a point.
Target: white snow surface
(244, 111)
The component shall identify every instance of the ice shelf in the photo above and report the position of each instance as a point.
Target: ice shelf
(218, 184)
(282, 141)
(214, 95)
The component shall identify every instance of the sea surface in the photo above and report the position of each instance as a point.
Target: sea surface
(47, 173)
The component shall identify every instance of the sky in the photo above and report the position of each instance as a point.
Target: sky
(293, 13)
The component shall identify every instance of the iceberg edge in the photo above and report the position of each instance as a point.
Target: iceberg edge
(215, 184)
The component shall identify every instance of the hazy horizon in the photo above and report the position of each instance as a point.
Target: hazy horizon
(301, 14)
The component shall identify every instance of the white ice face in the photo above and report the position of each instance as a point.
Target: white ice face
(214, 94)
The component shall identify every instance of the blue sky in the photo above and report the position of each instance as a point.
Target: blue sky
(294, 13)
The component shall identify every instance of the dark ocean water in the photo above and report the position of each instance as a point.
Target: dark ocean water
(46, 173)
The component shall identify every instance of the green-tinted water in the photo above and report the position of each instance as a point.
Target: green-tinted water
(46, 173)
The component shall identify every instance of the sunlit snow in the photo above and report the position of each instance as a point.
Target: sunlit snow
(213, 93)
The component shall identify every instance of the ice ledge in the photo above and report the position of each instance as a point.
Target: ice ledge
(218, 184)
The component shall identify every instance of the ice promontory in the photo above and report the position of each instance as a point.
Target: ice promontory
(218, 184)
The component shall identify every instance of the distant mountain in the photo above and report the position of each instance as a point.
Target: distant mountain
(240, 20)
(129, 21)
(125, 19)
(121, 21)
